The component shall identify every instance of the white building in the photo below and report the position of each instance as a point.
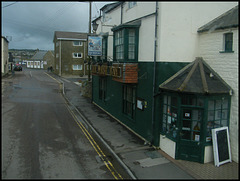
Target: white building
(4, 57)
(218, 45)
(151, 41)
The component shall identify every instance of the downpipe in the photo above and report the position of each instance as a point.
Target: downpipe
(154, 73)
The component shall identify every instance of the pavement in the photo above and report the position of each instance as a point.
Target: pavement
(140, 160)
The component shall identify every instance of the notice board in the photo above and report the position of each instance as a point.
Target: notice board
(221, 146)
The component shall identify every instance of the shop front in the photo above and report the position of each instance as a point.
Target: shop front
(194, 101)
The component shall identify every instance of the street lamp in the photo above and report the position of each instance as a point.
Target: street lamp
(95, 26)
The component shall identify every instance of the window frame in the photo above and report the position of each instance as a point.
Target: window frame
(125, 58)
(129, 100)
(80, 43)
(73, 55)
(102, 88)
(79, 67)
(132, 4)
(227, 42)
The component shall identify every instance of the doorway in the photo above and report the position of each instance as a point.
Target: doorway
(190, 145)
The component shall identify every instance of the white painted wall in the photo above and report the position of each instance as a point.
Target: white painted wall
(4, 57)
(226, 65)
(178, 24)
(168, 146)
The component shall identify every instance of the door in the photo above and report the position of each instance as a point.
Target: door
(189, 145)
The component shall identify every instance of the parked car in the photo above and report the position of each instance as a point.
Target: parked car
(18, 68)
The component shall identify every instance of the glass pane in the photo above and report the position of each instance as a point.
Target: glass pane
(224, 114)
(218, 104)
(174, 101)
(210, 105)
(210, 115)
(225, 104)
(200, 102)
(224, 122)
(165, 99)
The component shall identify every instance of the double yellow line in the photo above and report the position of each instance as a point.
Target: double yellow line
(104, 158)
(106, 161)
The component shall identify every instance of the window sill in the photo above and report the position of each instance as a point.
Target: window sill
(226, 51)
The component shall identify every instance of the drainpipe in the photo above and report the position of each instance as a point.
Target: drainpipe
(154, 73)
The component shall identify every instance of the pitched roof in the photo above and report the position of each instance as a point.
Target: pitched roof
(39, 55)
(197, 77)
(228, 19)
(111, 6)
(70, 35)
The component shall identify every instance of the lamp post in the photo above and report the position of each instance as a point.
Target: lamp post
(95, 25)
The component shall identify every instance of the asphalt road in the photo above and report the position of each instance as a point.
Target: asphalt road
(40, 136)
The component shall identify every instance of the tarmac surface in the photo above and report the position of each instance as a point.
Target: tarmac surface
(141, 161)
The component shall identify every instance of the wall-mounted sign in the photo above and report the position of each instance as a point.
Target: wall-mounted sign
(187, 115)
(94, 46)
(107, 70)
(221, 146)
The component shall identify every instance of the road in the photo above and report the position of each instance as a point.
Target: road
(41, 138)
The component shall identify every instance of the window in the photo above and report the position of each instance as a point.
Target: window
(132, 4)
(102, 88)
(228, 37)
(126, 44)
(129, 100)
(77, 55)
(77, 67)
(227, 43)
(131, 44)
(170, 111)
(218, 115)
(119, 45)
(77, 43)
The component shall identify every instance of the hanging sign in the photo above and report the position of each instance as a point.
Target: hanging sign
(221, 146)
(94, 46)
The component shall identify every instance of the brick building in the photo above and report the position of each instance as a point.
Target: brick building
(70, 50)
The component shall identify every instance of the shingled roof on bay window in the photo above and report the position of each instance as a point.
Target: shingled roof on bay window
(197, 77)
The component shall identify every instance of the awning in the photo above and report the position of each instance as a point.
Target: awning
(197, 77)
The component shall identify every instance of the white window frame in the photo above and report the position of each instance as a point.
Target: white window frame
(131, 4)
(77, 55)
(77, 67)
(79, 43)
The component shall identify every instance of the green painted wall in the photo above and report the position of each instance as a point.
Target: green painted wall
(142, 124)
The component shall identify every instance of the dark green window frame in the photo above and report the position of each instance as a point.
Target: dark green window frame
(125, 44)
(228, 43)
(102, 88)
(129, 100)
(218, 114)
(170, 116)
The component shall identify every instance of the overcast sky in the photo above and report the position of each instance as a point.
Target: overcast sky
(31, 25)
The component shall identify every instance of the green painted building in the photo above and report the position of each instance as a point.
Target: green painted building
(149, 79)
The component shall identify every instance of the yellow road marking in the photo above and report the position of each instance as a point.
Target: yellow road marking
(113, 171)
(111, 168)
(52, 77)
